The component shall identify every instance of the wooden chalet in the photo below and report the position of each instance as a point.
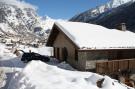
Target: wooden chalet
(88, 47)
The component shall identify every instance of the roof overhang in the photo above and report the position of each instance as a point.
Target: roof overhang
(54, 33)
(117, 49)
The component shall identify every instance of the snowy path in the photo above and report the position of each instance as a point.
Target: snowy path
(10, 67)
(9, 73)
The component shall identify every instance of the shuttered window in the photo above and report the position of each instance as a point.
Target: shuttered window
(58, 54)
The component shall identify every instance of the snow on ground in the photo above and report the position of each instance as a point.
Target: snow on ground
(50, 75)
(9, 65)
(39, 75)
(45, 51)
(42, 50)
(65, 65)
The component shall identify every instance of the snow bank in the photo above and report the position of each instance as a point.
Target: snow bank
(39, 75)
(45, 51)
(65, 65)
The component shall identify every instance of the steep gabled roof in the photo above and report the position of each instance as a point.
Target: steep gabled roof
(91, 36)
(54, 32)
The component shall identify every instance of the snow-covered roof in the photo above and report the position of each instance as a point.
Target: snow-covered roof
(92, 36)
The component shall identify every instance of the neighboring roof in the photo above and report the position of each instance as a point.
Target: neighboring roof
(90, 36)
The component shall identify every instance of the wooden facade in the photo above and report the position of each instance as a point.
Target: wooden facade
(84, 59)
(115, 66)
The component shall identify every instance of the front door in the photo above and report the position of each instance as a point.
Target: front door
(64, 54)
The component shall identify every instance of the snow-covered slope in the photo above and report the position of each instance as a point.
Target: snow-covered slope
(5, 29)
(116, 3)
(46, 23)
(113, 19)
(19, 16)
(19, 19)
(19, 3)
(92, 13)
(39, 75)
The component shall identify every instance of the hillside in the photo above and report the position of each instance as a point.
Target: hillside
(112, 16)
(94, 12)
(20, 20)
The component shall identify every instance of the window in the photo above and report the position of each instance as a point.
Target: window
(57, 55)
(54, 52)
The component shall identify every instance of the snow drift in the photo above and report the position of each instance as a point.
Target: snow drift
(39, 75)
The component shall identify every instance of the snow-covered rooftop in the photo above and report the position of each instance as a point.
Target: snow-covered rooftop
(92, 36)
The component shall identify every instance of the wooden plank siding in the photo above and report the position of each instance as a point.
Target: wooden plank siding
(115, 66)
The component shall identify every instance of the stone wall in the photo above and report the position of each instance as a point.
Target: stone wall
(91, 57)
(82, 60)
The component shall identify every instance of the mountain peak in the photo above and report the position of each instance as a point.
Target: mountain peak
(46, 17)
(19, 3)
(19, 16)
(92, 13)
(116, 3)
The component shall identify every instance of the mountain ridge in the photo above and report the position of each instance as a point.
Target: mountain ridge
(113, 19)
(92, 13)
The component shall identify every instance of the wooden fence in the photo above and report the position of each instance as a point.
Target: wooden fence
(115, 66)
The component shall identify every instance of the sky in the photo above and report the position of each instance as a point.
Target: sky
(64, 9)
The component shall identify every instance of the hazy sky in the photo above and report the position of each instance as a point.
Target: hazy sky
(64, 9)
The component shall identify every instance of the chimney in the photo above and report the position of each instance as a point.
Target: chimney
(123, 27)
